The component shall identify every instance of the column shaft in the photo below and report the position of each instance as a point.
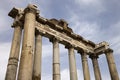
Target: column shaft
(37, 58)
(26, 61)
(86, 72)
(96, 68)
(56, 60)
(112, 66)
(72, 64)
(14, 54)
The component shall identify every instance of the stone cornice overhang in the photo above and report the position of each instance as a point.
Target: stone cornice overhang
(89, 45)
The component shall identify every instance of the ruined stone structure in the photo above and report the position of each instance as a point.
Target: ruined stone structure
(34, 27)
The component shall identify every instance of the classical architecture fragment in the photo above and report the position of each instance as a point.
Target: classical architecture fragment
(33, 27)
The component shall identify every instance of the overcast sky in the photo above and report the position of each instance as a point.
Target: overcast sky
(95, 20)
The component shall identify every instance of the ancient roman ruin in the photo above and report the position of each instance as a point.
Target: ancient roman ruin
(34, 27)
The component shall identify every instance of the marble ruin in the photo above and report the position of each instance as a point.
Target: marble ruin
(34, 27)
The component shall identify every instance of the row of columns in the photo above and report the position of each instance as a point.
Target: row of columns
(111, 64)
(30, 61)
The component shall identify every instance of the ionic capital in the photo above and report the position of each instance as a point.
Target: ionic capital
(32, 8)
(108, 50)
(16, 24)
(53, 39)
(83, 51)
(93, 56)
(69, 46)
(18, 17)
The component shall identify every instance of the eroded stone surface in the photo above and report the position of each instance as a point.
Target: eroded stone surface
(29, 20)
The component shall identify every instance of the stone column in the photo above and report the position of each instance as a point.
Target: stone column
(14, 54)
(26, 61)
(56, 60)
(37, 58)
(72, 64)
(86, 72)
(96, 67)
(111, 64)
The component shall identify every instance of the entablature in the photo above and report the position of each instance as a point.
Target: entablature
(101, 47)
(59, 29)
(64, 39)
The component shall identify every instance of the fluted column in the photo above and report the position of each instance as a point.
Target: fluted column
(72, 64)
(111, 64)
(26, 60)
(85, 67)
(56, 60)
(96, 67)
(14, 54)
(37, 58)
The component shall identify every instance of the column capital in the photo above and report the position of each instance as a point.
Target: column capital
(83, 52)
(53, 39)
(108, 50)
(17, 23)
(31, 8)
(92, 56)
(18, 18)
(69, 46)
(38, 33)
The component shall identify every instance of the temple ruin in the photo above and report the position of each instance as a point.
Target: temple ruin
(34, 27)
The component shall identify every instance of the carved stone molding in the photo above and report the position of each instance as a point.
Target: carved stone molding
(32, 8)
(108, 50)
